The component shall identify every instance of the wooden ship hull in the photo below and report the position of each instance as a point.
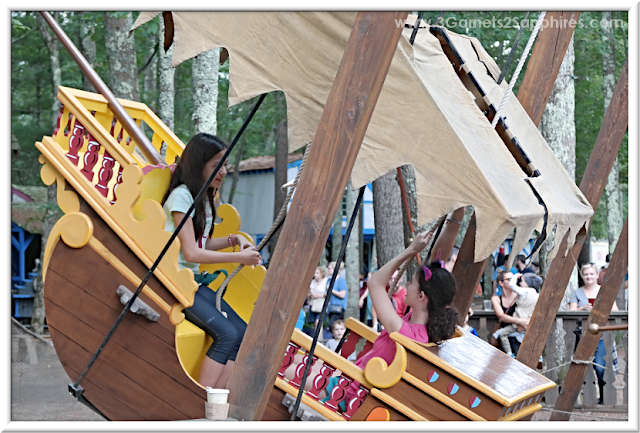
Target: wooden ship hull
(100, 250)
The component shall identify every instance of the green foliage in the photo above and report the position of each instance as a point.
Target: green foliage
(32, 91)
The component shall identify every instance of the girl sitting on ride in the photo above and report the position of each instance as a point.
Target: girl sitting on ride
(199, 159)
(429, 294)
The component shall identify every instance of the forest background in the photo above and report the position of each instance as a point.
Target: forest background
(193, 97)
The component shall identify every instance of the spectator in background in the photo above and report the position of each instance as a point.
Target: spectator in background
(535, 266)
(604, 269)
(501, 261)
(466, 325)
(451, 261)
(338, 300)
(316, 295)
(337, 331)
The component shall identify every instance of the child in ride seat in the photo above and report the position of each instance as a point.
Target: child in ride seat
(429, 293)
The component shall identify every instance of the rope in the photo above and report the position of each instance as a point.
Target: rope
(578, 361)
(534, 33)
(74, 388)
(405, 265)
(276, 225)
(513, 50)
(586, 415)
(325, 305)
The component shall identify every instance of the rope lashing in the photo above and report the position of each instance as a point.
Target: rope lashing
(516, 74)
(74, 388)
(578, 361)
(325, 305)
(585, 415)
(274, 227)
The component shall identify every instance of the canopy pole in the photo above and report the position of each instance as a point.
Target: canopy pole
(344, 121)
(121, 114)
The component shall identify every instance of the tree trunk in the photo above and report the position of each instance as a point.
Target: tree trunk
(352, 258)
(336, 238)
(121, 55)
(558, 128)
(151, 78)
(236, 169)
(53, 212)
(205, 91)
(87, 46)
(52, 45)
(612, 191)
(280, 178)
(166, 78)
(409, 179)
(387, 213)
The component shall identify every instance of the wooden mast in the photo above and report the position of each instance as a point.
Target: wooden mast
(593, 182)
(613, 278)
(344, 121)
(533, 94)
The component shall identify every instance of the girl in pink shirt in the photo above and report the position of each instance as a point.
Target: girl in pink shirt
(429, 294)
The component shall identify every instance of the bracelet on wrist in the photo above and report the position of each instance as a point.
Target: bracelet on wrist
(230, 239)
(450, 220)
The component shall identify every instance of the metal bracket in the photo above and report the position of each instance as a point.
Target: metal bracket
(139, 306)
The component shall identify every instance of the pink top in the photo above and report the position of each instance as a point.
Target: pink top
(398, 297)
(384, 347)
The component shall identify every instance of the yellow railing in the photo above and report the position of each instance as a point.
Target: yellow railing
(92, 153)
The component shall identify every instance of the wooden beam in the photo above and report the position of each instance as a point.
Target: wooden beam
(593, 182)
(467, 273)
(344, 121)
(613, 278)
(547, 55)
(537, 84)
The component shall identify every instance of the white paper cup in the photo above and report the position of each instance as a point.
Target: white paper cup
(218, 396)
(487, 304)
(216, 412)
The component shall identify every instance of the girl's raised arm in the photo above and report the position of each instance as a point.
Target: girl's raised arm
(378, 283)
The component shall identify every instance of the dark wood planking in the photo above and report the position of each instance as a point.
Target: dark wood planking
(344, 121)
(117, 384)
(110, 407)
(146, 375)
(466, 272)
(371, 403)
(543, 66)
(82, 307)
(588, 343)
(103, 233)
(593, 182)
(422, 403)
(275, 410)
(96, 277)
(420, 368)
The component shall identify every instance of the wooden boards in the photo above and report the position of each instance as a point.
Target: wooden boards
(593, 182)
(336, 143)
(543, 66)
(586, 348)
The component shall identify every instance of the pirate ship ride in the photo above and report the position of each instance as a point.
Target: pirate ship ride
(110, 187)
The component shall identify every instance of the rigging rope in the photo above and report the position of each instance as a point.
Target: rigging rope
(513, 49)
(325, 305)
(276, 225)
(74, 388)
(524, 56)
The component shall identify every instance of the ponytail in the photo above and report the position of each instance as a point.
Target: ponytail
(440, 287)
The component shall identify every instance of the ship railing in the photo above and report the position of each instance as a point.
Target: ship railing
(91, 152)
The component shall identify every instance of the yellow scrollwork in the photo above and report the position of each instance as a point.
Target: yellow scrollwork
(382, 375)
(67, 200)
(75, 229)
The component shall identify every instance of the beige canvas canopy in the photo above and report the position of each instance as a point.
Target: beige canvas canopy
(424, 117)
